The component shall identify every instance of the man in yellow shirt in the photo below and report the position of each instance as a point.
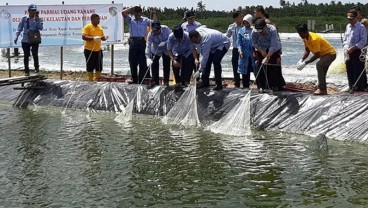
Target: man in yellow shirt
(321, 50)
(93, 34)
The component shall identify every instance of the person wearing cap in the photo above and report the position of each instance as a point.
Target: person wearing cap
(244, 44)
(93, 34)
(232, 32)
(213, 46)
(266, 41)
(358, 11)
(27, 23)
(190, 23)
(137, 43)
(355, 40)
(157, 48)
(321, 50)
(179, 49)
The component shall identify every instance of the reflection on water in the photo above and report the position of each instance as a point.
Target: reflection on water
(75, 159)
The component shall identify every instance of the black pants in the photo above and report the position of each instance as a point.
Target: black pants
(155, 68)
(270, 75)
(191, 70)
(27, 48)
(235, 62)
(93, 60)
(215, 59)
(137, 57)
(181, 73)
(355, 68)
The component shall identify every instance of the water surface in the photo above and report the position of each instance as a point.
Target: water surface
(75, 159)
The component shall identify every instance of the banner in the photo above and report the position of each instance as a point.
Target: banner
(62, 24)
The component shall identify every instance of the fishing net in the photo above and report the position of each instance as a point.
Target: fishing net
(184, 112)
(126, 113)
(236, 122)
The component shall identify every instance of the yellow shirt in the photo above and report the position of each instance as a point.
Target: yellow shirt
(316, 43)
(92, 31)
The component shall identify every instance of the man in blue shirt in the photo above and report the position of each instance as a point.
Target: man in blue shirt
(179, 49)
(213, 46)
(355, 40)
(267, 43)
(190, 23)
(32, 22)
(232, 31)
(137, 43)
(157, 48)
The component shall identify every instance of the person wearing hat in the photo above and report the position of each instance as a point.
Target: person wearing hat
(214, 45)
(190, 23)
(93, 34)
(28, 23)
(137, 43)
(321, 50)
(355, 40)
(245, 48)
(157, 48)
(232, 31)
(267, 43)
(179, 49)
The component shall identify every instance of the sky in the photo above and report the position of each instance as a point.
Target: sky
(226, 5)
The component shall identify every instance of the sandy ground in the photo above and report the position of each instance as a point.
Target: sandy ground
(82, 76)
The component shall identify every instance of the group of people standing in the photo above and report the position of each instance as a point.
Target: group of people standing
(191, 49)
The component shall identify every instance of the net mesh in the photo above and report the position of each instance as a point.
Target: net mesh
(184, 112)
(236, 122)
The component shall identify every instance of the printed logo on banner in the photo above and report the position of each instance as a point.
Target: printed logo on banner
(4, 14)
(62, 24)
(113, 11)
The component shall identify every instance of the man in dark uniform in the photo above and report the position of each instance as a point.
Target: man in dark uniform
(137, 43)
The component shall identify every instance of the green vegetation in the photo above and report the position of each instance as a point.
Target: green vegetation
(286, 17)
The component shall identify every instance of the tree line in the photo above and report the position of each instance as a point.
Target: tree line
(286, 16)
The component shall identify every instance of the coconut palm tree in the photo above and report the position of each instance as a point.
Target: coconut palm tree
(201, 7)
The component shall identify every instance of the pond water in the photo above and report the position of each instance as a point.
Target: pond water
(76, 159)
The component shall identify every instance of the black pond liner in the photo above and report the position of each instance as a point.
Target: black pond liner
(339, 116)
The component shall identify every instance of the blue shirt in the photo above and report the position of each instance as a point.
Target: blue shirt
(269, 41)
(232, 31)
(177, 48)
(244, 44)
(211, 40)
(33, 25)
(189, 27)
(137, 27)
(154, 40)
(355, 35)
(244, 41)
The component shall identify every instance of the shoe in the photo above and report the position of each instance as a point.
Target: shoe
(237, 85)
(203, 86)
(218, 87)
(26, 74)
(320, 92)
(37, 70)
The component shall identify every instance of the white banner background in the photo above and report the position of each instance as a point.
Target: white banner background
(62, 24)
